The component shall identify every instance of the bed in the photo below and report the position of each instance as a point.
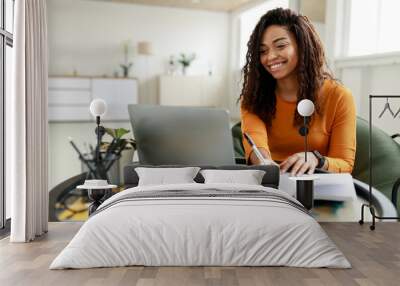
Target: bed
(201, 224)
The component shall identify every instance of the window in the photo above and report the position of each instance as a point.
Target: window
(249, 19)
(6, 43)
(373, 27)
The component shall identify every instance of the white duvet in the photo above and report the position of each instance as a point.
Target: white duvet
(200, 231)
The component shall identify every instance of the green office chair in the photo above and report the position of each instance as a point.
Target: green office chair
(385, 159)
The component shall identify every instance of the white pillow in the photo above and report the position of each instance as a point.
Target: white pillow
(248, 177)
(163, 176)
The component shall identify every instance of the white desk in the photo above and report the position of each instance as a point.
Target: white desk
(332, 211)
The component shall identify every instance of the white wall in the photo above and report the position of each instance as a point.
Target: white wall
(377, 79)
(87, 36)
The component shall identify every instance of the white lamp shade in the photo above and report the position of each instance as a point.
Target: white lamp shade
(98, 107)
(305, 107)
(145, 48)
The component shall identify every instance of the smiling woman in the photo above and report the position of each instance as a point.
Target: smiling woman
(285, 63)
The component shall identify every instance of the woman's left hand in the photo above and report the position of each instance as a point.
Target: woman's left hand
(298, 164)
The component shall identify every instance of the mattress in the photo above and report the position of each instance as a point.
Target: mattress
(201, 225)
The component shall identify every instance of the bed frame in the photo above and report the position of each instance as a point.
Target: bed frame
(270, 179)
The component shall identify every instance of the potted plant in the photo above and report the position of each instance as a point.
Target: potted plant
(185, 61)
(126, 65)
(118, 144)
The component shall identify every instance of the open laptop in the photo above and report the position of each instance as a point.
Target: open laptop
(168, 135)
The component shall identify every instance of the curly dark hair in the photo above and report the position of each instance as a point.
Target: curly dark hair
(258, 91)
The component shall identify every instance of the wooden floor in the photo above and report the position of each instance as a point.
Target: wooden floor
(374, 255)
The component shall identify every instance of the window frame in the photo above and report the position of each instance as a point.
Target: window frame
(6, 39)
(377, 50)
(337, 24)
(345, 49)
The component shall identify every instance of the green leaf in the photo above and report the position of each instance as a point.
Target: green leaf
(121, 132)
(117, 132)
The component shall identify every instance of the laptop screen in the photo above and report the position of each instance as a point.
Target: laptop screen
(182, 135)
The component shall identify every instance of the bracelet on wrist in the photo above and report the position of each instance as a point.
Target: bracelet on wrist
(321, 159)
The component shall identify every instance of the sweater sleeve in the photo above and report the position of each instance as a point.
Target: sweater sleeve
(342, 144)
(256, 128)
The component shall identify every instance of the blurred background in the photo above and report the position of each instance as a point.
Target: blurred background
(176, 52)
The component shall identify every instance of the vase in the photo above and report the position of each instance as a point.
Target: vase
(184, 69)
(125, 69)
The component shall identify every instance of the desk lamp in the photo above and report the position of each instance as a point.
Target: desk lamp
(305, 184)
(305, 108)
(98, 108)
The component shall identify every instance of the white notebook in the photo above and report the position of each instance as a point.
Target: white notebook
(330, 187)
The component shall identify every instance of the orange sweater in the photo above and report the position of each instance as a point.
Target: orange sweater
(333, 133)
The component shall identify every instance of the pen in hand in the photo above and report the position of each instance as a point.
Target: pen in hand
(257, 152)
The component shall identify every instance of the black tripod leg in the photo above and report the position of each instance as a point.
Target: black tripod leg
(372, 210)
(361, 221)
(93, 207)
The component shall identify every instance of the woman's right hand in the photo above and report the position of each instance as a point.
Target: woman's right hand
(270, 162)
(267, 158)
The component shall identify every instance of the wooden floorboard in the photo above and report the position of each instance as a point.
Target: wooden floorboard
(374, 255)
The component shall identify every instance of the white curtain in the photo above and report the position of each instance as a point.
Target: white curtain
(27, 122)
